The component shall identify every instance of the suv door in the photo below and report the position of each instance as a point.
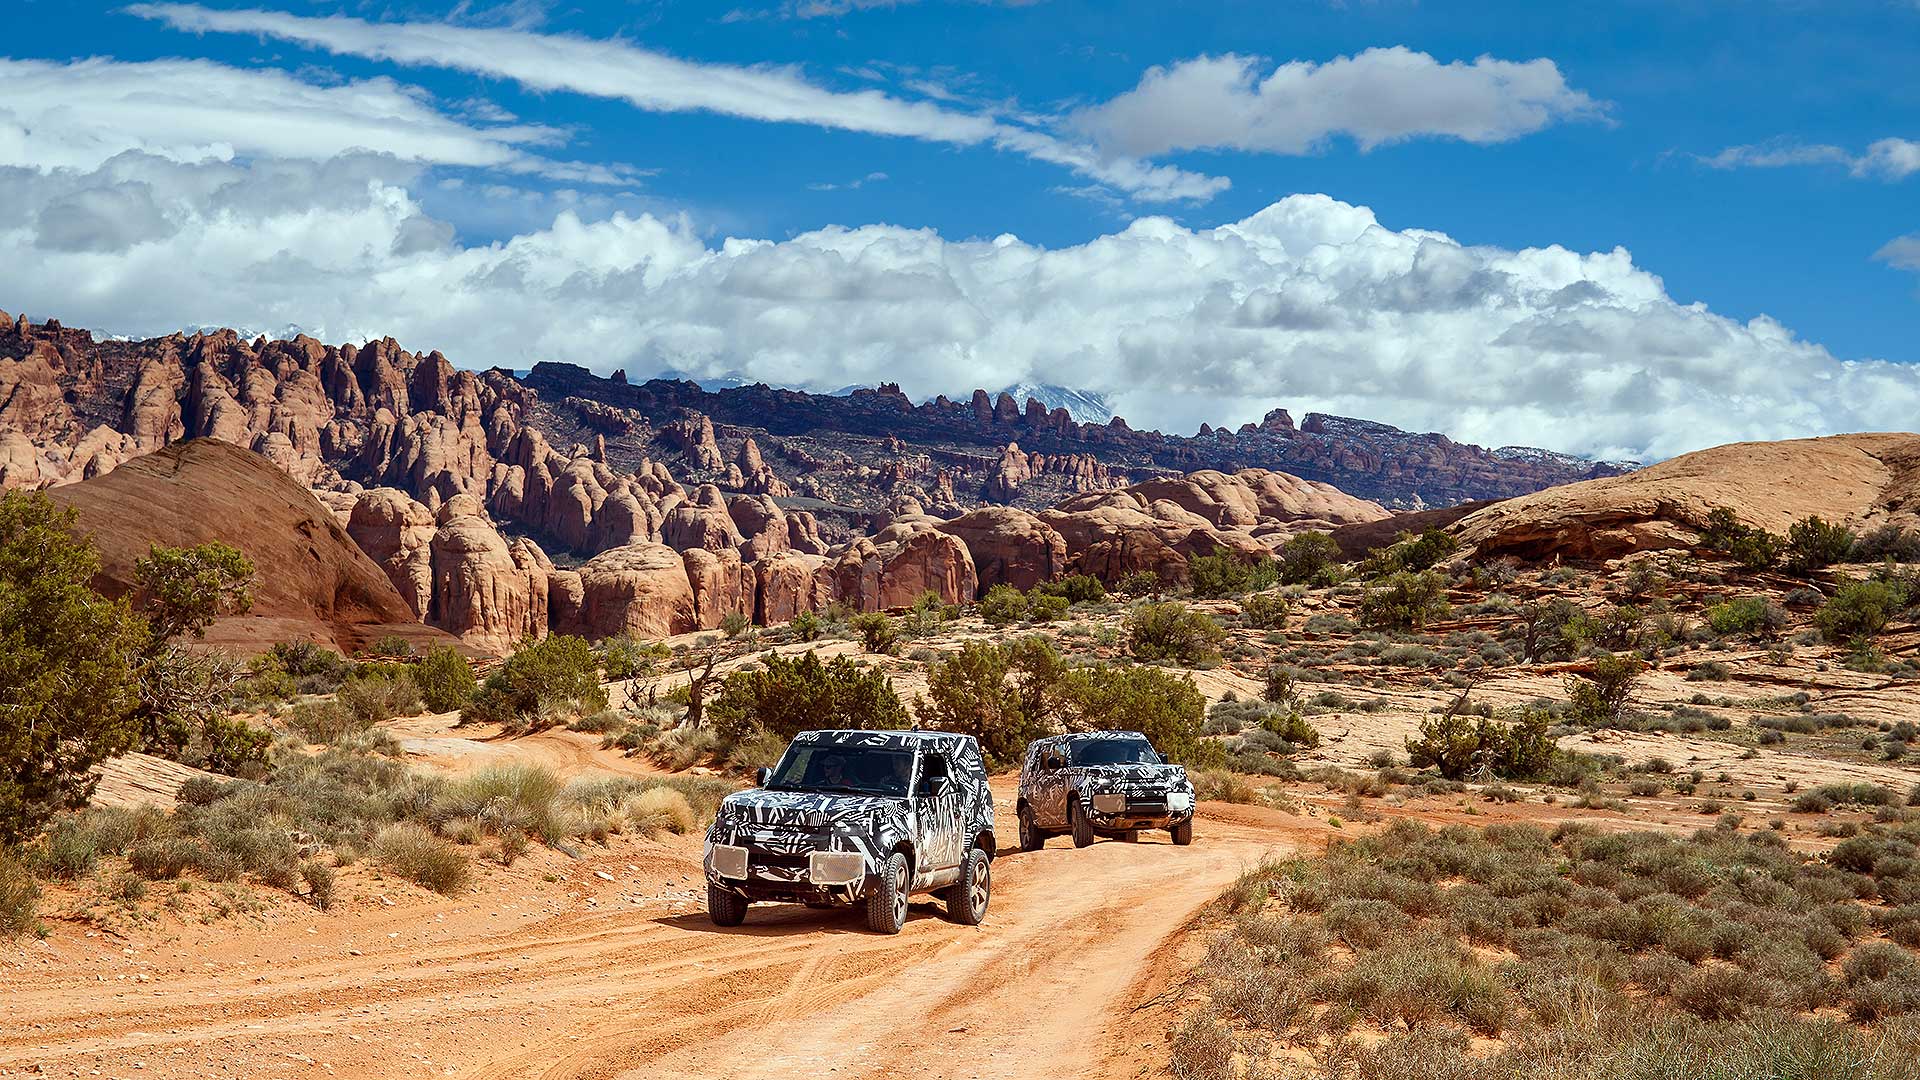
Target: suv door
(1049, 795)
(942, 822)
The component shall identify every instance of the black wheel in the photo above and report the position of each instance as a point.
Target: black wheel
(725, 908)
(967, 899)
(1082, 824)
(1131, 836)
(1031, 838)
(887, 903)
(1183, 833)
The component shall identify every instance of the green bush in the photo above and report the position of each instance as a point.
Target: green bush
(1042, 608)
(1265, 611)
(1458, 745)
(69, 666)
(540, 685)
(621, 657)
(1282, 686)
(1599, 699)
(1230, 573)
(807, 626)
(1311, 558)
(1005, 696)
(1744, 615)
(1002, 605)
(1165, 707)
(787, 695)
(377, 693)
(1411, 553)
(1860, 610)
(878, 634)
(323, 722)
(1753, 548)
(1142, 583)
(1172, 631)
(1405, 600)
(315, 670)
(1292, 727)
(445, 679)
(1813, 544)
(1074, 588)
(392, 646)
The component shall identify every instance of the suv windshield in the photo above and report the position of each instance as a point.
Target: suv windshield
(1114, 752)
(853, 770)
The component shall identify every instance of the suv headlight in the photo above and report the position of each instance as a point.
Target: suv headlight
(1180, 800)
(836, 867)
(1111, 802)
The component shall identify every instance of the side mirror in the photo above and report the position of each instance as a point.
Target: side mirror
(761, 775)
(933, 787)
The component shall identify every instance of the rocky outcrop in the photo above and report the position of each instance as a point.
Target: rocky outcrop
(1858, 480)
(1009, 547)
(640, 590)
(894, 567)
(481, 593)
(312, 582)
(789, 583)
(722, 586)
(396, 532)
(701, 522)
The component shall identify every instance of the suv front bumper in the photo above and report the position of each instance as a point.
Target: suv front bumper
(1122, 811)
(757, 873)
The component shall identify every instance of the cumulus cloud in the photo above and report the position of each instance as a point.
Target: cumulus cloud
(1309, 304)
(80, 114)
(1903, 252)
(658, 82)
(1885, 159)
(1375, 97)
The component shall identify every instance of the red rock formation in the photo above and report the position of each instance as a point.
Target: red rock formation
(892, 568)
(1009, 547)
(397, 534)
(640, 590)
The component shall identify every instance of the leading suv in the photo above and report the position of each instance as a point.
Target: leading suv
(858, 818)
(1101, 783)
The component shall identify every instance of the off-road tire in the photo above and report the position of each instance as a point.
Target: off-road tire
(1183, 833)
(725, 908)
(1082, 824)
(887, 902)
(1031, 838)
(967, 898)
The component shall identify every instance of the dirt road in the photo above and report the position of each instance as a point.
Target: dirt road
(613, 970)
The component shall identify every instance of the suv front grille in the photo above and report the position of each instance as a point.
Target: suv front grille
(771, 859)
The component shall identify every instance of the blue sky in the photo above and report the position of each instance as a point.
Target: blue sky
(1758, 158)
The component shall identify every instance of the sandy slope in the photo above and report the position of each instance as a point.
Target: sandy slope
(589, 977)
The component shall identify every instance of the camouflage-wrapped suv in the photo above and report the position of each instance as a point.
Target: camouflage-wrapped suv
(1101, 783)
(858, 817)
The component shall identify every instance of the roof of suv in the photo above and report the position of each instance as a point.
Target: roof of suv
(1075, 736)
(849, 737)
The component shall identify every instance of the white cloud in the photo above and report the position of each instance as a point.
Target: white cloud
(1902, 251)
(655, 81)
(80, 114)
(1375, 97)
(1886, 159)
(1310, 304)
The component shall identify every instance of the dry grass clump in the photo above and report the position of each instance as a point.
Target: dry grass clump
(1585, 954)
(422, 858)
(18, 898)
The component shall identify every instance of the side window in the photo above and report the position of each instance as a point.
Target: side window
(934, 765)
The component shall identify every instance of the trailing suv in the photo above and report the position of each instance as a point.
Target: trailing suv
(1101, 783)
(858, 817)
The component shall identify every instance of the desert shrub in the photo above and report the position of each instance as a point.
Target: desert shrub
(1167, 708)
(1459, 745)
(505, 799)
(1404, 600)
(1265, 611)
(1600, 698)
(807, 626)
(1174, 632)
(1411, 553)
(876, 631)
(1311, 558)
(69, 666)
(376, 693)
(391, 646)
(445, 679)
(1003, 605)
(1219, 785)
(1230, 573)
(621, 657)
(1745, 615)
(422, 858)
(19, 898)
(1003, 695)
(540, 685)
(1282, 686)
(787, 695)
(1042, 607)
(1141, 583)
(1886, 542)
(1074, 588)
(323, 722)
(1709, 671)
(1813, 544)
(1753, 548)
(320, 879)
(315, 669)
(1859, 611)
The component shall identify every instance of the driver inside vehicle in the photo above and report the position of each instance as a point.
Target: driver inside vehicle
(833, 771)
(902, 774)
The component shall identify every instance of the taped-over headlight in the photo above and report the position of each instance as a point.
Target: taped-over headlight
(1179, 800)
(1111, 803)
(836, 867)
(728, 861)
